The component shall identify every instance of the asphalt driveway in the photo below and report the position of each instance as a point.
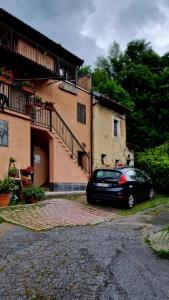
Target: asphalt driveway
(105, 261)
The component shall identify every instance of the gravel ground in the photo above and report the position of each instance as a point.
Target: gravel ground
(106, 261)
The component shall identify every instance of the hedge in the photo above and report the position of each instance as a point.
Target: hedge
(155, 162)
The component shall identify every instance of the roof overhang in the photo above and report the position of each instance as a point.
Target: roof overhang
(35, 36)
(111, 104)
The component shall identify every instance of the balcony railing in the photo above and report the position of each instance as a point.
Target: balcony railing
(13, 98)
(20, 44)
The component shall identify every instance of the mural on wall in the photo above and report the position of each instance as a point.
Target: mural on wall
(3, 133)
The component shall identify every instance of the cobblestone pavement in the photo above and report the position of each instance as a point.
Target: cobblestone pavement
(56, 212)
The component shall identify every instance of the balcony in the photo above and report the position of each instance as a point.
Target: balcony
(21, 45)
(13, 98)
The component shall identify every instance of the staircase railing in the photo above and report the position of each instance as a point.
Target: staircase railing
(13, 98)
(53, 120)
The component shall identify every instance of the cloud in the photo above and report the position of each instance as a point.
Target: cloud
(87, 28)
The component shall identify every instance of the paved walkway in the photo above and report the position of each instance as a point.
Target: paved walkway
(56, 212)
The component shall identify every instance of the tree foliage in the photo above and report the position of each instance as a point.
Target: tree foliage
(139, 78)
(156, 163)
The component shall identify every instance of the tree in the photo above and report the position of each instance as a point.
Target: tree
(137, 77)
(85, 70)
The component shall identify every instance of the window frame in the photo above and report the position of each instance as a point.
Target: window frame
(116, 128)
(81, 113)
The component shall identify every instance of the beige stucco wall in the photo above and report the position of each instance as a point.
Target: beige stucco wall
(104, 141)
(18, 142)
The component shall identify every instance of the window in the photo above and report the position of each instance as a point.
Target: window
(117, 162)
(3, 133)
(131, 175)
(116, 127)
(103, 158)
(107, 174)
(81, 113)
(140, 175)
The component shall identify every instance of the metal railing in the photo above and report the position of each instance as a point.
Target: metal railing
(13, 98)
(53, 121)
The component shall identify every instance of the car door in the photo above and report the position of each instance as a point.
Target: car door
(132, 182)
(142, 183)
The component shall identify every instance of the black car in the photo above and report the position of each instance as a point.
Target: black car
(127, 185)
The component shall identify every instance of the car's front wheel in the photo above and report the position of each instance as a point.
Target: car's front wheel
(130, 201)
(90, 200)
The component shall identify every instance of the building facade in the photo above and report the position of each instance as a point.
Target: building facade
(45, 117)
(109, 134)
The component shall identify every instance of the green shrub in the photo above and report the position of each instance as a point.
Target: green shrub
(155, 162)
(35, 192)
(8, 185)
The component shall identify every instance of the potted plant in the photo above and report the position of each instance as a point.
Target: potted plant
(33, 194)
(27, 87)
(38, 101)
(7, 186)
(12, 160)
(13, 172)
(49, 105)
(28, 171)
(6, 76)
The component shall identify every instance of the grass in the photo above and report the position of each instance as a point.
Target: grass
(1, 220)
(158, 200)
(163, 252)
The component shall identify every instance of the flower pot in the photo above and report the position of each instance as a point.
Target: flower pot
(34, 200)
(4, 199)
(49, 108)
(39, 104)
(13, 175)
(27, 89)
(5, 80)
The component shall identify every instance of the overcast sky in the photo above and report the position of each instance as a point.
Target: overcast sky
(88, 27)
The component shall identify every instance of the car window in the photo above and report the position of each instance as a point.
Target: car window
(130, 175)
(140, 175)
(107, 174)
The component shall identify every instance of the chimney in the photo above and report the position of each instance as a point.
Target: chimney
(85, 82)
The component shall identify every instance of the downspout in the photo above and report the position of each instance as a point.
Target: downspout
(91, 169)
(92, 105)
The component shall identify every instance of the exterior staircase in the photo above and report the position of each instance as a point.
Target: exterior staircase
(13, 98)
(63, 136)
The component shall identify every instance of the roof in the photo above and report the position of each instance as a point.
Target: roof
(35, 36)
(109, 103)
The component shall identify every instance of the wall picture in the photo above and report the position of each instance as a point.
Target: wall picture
(3, 133)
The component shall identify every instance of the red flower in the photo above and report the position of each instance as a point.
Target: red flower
(29, 169)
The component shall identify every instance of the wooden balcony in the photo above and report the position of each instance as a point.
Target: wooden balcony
(21, 45)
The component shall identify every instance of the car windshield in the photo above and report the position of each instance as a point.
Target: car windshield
(107, 174)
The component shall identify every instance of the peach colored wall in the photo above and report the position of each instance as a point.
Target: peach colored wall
(32, 53)
(66, 105)
(41, 169)
(18, 143)
(64, 169)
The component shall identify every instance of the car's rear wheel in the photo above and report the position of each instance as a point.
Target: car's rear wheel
(90, 200)
(130, 201)
(151, 194)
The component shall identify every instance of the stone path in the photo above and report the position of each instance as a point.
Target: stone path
(56, 212)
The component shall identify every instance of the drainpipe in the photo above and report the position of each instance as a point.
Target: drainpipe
(91, 158)
(92, 105)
